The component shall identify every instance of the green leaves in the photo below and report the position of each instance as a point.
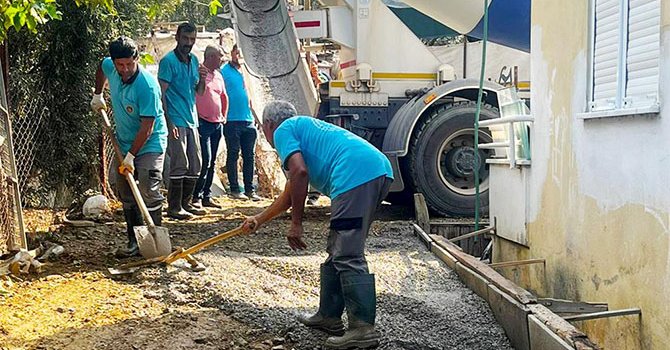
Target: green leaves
(214, 7)
(31, 13)
(146, 59)
(26, 13)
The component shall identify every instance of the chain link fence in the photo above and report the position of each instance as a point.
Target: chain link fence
(12, 235)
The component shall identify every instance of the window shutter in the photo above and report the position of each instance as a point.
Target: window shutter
(642, 58)
(606, 54)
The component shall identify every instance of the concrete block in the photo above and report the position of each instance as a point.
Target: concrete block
(512, 316)
(473, 280)
(443, 255)
(543, 338)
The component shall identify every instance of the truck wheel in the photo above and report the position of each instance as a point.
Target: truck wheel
(442, 159)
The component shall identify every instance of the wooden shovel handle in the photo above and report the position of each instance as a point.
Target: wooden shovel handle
(204, 244)
(129, 177)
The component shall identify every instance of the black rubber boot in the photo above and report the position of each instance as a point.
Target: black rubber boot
(361, 303)
(187, 197)
(157, 216)
(331, 304)
(133, 218)
(175, 194)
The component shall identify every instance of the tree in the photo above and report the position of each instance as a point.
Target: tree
(18, 14)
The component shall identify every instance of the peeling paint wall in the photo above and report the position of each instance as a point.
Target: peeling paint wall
(598, 190)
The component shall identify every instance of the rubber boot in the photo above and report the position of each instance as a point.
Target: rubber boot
(157, 216)
(175, 194)
(187, 197)
(331, 304)
(361, 303)
(133, 218)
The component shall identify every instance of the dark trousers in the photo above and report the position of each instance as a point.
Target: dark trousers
(210, 136)
(352, 213)
(240, 136)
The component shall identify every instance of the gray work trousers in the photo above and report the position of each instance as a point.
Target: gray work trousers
(352, 213)
(184, 152)
(149, 175)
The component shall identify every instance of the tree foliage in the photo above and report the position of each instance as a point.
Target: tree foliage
(52, 69)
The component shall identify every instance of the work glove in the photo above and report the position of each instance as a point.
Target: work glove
(98, 103)
(128, 165)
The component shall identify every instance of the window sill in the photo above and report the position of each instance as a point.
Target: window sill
(628, 112)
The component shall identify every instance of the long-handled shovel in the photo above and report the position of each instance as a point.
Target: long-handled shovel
(153, 241)
(176, 255)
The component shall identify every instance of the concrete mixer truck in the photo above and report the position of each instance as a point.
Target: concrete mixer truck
(396, 92)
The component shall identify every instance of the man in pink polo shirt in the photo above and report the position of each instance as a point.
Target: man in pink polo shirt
(212, 108)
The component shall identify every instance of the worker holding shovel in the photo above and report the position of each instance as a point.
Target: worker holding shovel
(140, 130)
(356, 176)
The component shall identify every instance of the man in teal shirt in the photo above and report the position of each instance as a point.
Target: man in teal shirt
(239, 131)
(356, 176)
(181, 77)
(140, 130)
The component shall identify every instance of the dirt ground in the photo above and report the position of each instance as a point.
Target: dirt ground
(246, 299)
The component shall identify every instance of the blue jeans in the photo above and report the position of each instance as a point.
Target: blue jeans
(210, 135)
(240, 136)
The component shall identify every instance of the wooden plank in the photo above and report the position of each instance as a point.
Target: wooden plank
(561, 306)
(511, 315)
(518, 263)
(562, 328)
(423, 236)
(542, 337)
(421, 212)
(518, 293)
(444, 256)
(603, 314)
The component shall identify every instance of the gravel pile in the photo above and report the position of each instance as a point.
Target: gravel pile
(260, 282)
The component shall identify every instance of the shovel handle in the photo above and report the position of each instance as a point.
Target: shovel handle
(204, 244)
(129, 176)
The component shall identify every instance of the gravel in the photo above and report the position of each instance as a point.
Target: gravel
(259, 281)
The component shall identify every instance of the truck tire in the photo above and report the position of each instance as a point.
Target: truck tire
(441, 159)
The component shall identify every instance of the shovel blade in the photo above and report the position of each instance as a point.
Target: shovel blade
(153, 244)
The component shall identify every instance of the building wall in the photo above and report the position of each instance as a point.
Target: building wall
(597, 206)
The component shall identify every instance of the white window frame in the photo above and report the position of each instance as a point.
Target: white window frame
(621, 106)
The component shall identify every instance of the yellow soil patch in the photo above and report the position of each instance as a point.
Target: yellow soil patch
(34, 310)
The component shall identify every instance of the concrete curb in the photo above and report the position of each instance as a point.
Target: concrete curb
(528, 325)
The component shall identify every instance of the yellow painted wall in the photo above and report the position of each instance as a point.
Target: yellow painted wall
(615, 255)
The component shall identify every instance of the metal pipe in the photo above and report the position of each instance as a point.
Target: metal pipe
(508, 119)
(488, 229)
(512, 148)
(604, 314)
(518, 263)
(493, 145)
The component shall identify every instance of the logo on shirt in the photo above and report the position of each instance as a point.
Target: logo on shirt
(129, 109)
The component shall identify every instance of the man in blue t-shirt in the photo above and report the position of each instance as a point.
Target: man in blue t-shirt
(181, 77)
(140, 130)
(239, 131)
(356, 176)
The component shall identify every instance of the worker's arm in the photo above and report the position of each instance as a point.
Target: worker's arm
(172, 129)
(202, 71)
(297, 173)
(280, 205)
(100, 80)
(224, 103)
(98, 101)
(146, 128)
